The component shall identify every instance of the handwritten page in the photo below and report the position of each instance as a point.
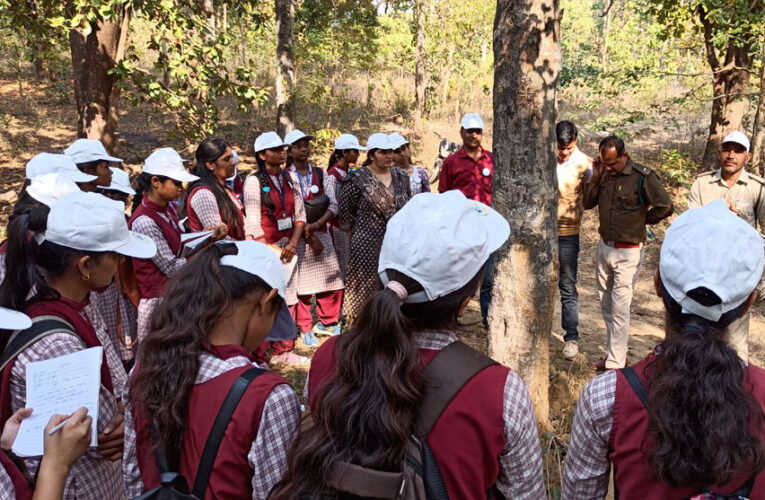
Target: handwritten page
(193, 242)
(289, 267)
(59, 385)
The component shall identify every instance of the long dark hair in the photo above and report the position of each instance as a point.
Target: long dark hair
(366, 411)
(368, 160)
(211, 149)
(702, 422)
(262, 174)
(336, 156)
(196, 297)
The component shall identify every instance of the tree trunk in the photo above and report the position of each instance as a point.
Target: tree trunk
(526, 69)
(419, 65)
(758, 132)
(729, 84)
(285, 73)
(96, 96)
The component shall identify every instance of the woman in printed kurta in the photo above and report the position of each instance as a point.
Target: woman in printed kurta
(368, 199)
(402, 158)
(346, 153)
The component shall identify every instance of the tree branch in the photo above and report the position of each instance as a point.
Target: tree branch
(708, 32)
(608, 8)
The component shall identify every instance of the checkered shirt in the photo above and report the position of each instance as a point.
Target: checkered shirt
(165, 260)
(206, 207)
(107, 303)
(92, 477)
(7, 492)
(587, 466)
(252, 224)
(145, 308)
(268, 453)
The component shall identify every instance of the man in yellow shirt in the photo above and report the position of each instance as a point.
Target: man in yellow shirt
(574, 168)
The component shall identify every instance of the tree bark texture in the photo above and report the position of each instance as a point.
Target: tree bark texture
(758, 132)
(526, 69)
(419, 64)
(285, 70)
(96, 96)
(729, 84)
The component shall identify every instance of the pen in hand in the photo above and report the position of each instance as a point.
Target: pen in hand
(58, 427)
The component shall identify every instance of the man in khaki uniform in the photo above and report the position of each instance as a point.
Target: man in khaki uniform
(628, 196)
(744, 193)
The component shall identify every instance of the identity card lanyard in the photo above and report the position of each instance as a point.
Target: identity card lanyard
(304, 188)
(285, 222)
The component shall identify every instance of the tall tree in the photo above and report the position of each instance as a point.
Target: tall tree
(419, 64)
(526, 68)
(758, 130)
(285, 69)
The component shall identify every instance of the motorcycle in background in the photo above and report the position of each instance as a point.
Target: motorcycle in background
(445, 148)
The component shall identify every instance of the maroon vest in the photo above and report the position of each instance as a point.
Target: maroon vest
(152, 281)
(196, 225)
(231, 476)
(268, 222)
(629, 451)
(468, 437)
(21, 487)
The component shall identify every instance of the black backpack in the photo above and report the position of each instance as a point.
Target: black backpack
(173, 485)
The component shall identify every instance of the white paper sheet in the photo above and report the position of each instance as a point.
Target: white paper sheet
(191, 243)
(59, 385)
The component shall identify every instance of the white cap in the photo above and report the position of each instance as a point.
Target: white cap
(47, 163)
(87, 150)
(348, 141)
(166, 162)
(120, 181)
(711, 247)
(295, 135)
(738, 138)
(48, 188)
(396, 140)
(471, 120)
(378, 141)
(257, 259)
(235, 157)
(268, 140)
(13, 320)
(92, 222)
(441, 241)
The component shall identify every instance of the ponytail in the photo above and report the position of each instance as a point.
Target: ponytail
(180, 325)
(336, 155)
(701, 418)
(367, 410)
(143, 187)
(368, 160)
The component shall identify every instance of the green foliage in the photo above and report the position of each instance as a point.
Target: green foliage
(677, 168)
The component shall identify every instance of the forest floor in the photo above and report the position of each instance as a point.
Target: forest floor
(44, 120)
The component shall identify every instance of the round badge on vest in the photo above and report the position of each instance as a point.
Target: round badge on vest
(314, 189)
(486, 172)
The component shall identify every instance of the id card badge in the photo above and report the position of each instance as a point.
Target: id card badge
(284, 224)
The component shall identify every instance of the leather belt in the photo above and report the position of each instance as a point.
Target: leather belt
(622, 244)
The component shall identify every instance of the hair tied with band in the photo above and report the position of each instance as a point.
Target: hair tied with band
(398, 289)
(694, 328)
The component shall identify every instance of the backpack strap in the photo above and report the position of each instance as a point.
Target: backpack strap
(637, 385)
(363, 482)
(444, 377)
(219, 429)
(42, 326)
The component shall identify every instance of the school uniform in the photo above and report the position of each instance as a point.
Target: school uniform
(253, 453)
(92, 476)
(259, 224)
(13, 484)
(486, 437)
(203, 211)
(609, 428)
(340, 238)
(317, 275)
(120, 317)
(161, 225)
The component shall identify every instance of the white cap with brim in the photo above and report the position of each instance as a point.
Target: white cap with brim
(296, 135)
(88, 150)
(378, 141)
(259, 260)
(471, 121)
(738, 138)
(48, 188)
(348, 141)
(711, 247)
(48, 163)
(441, 241)
(166, 162)
(397, 140)
(120, 181)
(13, 320)
(93, 222)
(268, 140)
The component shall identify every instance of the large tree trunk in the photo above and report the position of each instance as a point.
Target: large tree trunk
(729, 84)
(419, 64)
(285, 72)
(96, 96)
(526, 68)
(758, 133)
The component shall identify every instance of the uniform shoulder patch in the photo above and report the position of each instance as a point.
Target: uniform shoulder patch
(711, 172)
(756, 178)
(645, 170)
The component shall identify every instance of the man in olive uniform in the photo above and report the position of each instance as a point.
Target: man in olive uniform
(745, 195)
(628, 196)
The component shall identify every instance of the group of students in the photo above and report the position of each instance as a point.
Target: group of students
(683, 422)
